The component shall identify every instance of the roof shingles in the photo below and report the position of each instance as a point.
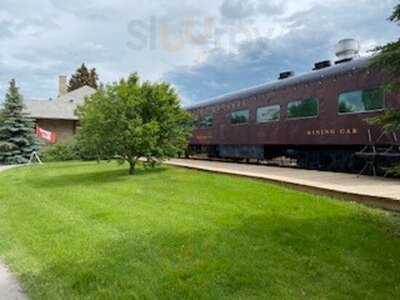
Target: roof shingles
(63, 108)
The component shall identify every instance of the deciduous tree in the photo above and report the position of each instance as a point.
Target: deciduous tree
(131, 120)
(388, 59)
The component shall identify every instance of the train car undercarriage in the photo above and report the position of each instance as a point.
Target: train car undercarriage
(353, 159)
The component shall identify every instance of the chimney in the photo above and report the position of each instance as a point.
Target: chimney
(62, 85)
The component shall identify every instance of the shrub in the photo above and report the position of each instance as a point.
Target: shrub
(60, 152)
(395, 171)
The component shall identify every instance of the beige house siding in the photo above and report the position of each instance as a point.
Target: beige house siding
(64, 129)
(59, 115)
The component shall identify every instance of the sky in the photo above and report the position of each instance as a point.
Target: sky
(203, 48)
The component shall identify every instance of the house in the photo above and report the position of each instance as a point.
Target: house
(59, 115)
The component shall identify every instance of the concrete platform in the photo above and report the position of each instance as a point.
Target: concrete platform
(377, 192)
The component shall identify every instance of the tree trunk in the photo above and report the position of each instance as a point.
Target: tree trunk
(132, 167)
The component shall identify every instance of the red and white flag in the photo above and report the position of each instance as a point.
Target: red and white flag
(49, 136)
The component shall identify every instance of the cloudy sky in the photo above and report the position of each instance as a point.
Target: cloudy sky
(204, 48)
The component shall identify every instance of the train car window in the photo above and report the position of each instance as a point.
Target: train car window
(268, 113)
(303, 109)
(206, 121)
(361, 101)
(240, 117)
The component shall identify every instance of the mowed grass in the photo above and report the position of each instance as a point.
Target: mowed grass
(90, 231)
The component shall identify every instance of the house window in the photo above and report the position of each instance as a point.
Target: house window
(303, 109)
(268, 113)
(240, 117)
(361, 101)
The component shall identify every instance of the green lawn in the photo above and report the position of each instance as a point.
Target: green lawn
(90, 231)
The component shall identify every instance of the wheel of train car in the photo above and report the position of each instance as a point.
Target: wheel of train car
(326, 161)
(350, 163)
(306, 160)
(353, 164)
(339, 161)
(314, 161)
(342, 161)
(335, 161)
(302, 160)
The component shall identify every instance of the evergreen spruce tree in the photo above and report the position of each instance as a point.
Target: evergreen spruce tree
(83, 76)
(94, 78)
(17, 138)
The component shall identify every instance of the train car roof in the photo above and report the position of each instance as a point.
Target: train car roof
(342, 68)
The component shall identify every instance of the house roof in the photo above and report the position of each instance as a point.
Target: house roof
(77, 96)
(280, 84)
(62, 108)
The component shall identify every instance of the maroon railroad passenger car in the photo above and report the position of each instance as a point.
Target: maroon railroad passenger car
(317, 118)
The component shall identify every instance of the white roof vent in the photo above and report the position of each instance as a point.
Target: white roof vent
(347, 50)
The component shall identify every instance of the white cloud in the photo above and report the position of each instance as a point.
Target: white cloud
(246, 41)
(305, 36)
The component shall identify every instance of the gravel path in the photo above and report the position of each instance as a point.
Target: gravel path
(9, 286)
(3, 168)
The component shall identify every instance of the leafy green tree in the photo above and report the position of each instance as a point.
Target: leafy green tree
(83, 76)
(131, 120)
(388, 56)
(388, 59)
(17, 138)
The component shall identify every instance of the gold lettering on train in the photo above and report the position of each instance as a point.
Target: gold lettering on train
(332, 131)
(203, 137)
